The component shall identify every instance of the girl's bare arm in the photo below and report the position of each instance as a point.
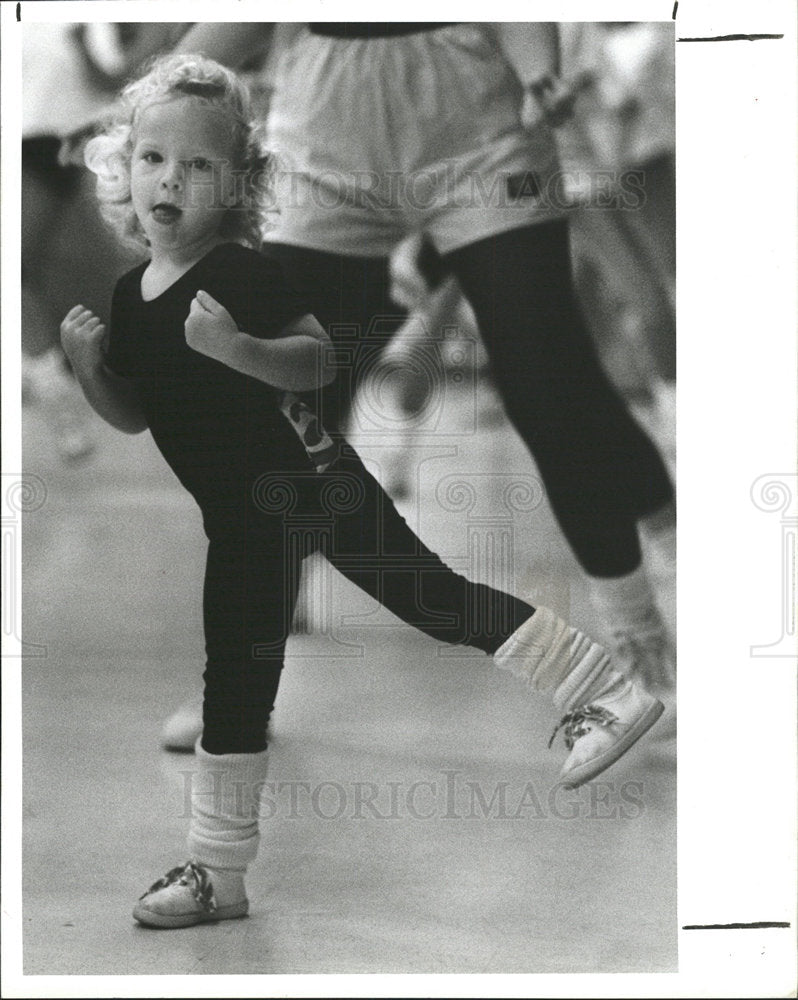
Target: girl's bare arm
(299, 359)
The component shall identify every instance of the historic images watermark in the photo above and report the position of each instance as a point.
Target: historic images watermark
(777, 493)
(450, 796)
(23, 493)
(555, 190)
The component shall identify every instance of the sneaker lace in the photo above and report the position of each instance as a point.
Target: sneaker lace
(195, 877)
(575, 724)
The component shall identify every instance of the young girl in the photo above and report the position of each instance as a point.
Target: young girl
(210, 348)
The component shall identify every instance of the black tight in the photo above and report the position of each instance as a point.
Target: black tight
(601, 472)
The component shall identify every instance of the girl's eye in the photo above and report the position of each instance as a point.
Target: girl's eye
(152, 157)
(200, 163)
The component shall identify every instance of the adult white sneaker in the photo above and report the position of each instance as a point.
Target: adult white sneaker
(183, 728)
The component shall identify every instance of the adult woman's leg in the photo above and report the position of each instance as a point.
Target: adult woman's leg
(601, 472)
(603, 475)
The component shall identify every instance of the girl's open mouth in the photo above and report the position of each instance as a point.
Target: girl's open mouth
(166, 213)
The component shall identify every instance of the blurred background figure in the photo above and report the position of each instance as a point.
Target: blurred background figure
(613, 114)
(615, 130)
(617, 151)
(71, 73)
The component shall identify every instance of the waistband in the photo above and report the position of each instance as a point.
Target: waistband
(374, 29)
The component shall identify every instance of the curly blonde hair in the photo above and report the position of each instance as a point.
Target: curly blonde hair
(109, 154)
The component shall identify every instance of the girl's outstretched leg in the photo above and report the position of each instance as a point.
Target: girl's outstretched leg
(605, 712)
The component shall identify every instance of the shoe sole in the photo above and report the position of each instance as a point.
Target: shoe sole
(180, 746)
(592, 768)
(149, 918)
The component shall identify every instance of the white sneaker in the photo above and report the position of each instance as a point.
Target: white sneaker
(600, 732)
(184, 727)
(185, 896)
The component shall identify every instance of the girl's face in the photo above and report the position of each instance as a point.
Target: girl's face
(182, 179)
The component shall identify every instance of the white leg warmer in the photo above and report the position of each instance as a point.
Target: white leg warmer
(225, 795)
(551, 656)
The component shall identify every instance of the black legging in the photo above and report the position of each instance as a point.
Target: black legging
(252, 580)
(601, 472)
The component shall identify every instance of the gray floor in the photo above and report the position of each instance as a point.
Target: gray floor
(463, 861)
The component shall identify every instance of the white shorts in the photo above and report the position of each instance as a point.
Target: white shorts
(379, 137)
